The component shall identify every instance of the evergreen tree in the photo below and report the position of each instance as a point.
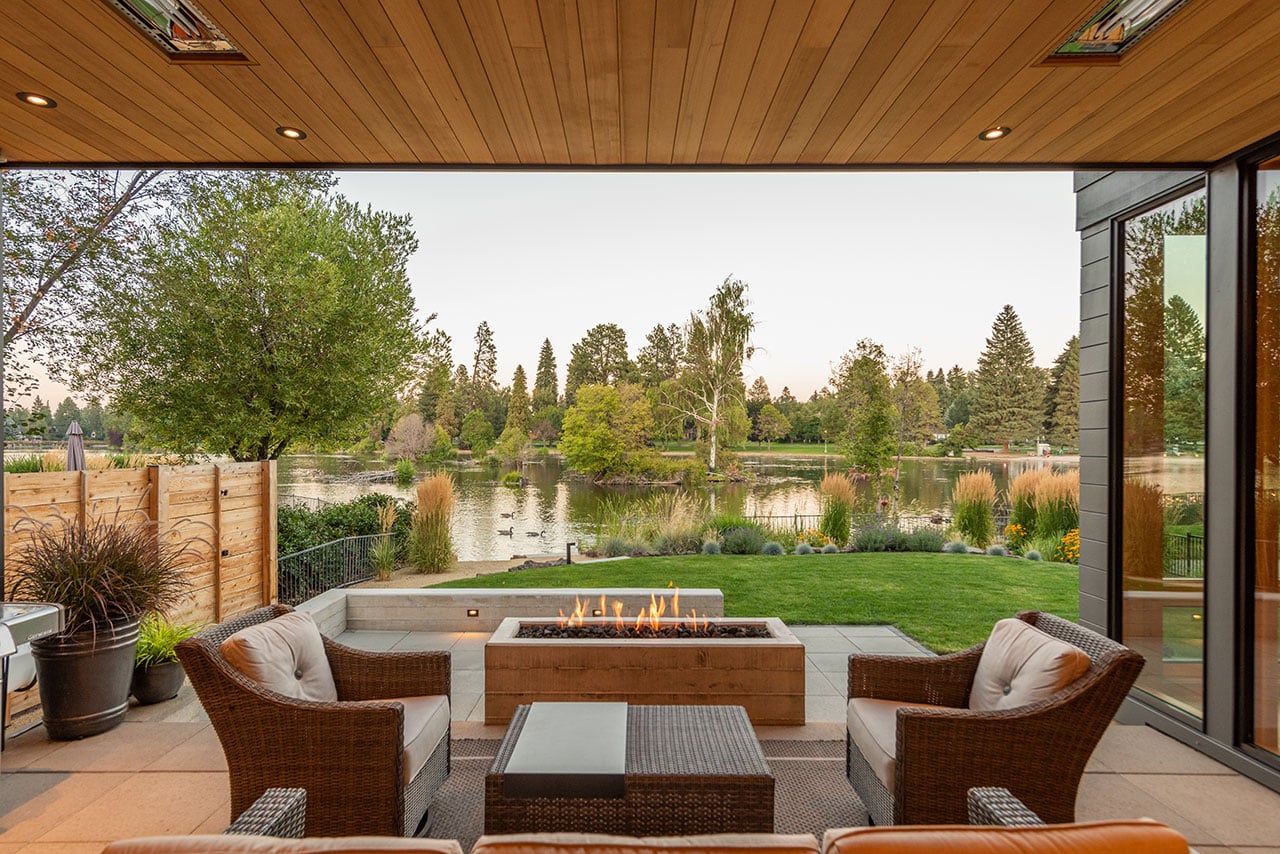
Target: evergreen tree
(66, 412)
(659, 358)
(1062, 397)
(599, 358)
(518, 405)
(1184, 374)
(433, 373)
(1008, 391)
(959, 398)
(91, 420)
(447, 412)
(757, 398)
(484, 368)
(545, 385)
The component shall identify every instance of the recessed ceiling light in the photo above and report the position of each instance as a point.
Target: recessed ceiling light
(991, 134)
(291, 133)
(37, 100)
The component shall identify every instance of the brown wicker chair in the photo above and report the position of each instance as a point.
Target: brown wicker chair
(347, 755)
(1037, 751)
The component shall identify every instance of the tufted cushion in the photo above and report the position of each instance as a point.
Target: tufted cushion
(1138, 836)
(1021, 664)
(596, 843)
(426, 721)
(873, 728)
(285, 655)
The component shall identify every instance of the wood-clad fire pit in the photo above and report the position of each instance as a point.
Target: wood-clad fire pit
(656, 660)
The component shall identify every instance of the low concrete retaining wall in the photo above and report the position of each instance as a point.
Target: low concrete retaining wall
(446, 610)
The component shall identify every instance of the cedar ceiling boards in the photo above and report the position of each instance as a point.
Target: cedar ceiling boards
(591, 83)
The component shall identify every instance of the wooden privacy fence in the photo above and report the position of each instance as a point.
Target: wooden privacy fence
(227, 510)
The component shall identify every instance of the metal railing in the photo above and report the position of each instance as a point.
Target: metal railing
(338, 563)
(1184, 556)
(308, 502)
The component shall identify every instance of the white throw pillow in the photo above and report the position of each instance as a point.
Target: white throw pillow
(1021, 664)
(285, 655)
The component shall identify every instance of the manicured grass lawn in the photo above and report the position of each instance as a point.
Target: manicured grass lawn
(947, 602)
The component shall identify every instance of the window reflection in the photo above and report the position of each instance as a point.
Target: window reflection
(1163, 455)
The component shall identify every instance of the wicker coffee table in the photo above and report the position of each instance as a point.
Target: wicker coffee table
(688, 770)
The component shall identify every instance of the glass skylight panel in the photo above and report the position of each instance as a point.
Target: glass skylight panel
(1116, 26)
(179, 27)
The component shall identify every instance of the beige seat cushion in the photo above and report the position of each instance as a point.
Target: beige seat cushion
(285, 655)
(873, 728)
(426, 721)
(595, 843)
(1138, 836)
(271, 845)
(1020, 665)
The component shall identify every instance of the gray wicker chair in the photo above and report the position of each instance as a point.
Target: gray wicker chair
(1037, 751)
(348, 755)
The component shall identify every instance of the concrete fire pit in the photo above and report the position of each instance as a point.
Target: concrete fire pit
(765, 675)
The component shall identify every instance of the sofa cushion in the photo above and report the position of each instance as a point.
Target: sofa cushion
(270, 845)
(426, 721)
(285, 655)
(1138, 836)
(873, 728)
(1020, 665)
(596, 843)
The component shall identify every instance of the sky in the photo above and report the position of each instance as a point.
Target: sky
(921, 260)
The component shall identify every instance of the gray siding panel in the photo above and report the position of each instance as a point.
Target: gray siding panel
(1117, 192)
(1095, 277)
(1093, 613)
(1094, 387)
(1095, 303)
(1092, 495)
(1093, 360)
(1093, 582)
(1080, 180)
(1093, 412)
(1095, 328)
(1095, 245)
(1093, 442)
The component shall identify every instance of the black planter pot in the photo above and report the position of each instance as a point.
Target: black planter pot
(155, 683)
(84, 679)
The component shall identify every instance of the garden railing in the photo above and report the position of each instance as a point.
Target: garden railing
(1184, 556)
(338, 563)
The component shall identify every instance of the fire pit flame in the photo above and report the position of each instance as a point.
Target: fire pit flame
(651, 616)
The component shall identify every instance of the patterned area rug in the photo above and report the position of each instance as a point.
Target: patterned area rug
(811, 793)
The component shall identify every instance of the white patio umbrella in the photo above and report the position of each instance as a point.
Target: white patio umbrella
(75, 447)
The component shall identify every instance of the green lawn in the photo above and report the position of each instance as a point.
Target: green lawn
(948, 602)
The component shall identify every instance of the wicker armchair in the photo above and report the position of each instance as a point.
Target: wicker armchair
(348, 755)
(1038, 751)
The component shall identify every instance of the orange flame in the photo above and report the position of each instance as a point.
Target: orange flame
(651, 616)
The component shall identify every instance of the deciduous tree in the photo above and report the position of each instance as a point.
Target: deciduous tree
(861, 380)
(606, 429)
(771, 424)
(659, 358)
(267, 308)
(915, 411)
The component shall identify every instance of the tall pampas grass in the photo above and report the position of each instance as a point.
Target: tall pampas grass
(837, 508)
(1022, 497)
(430, 540)
(973, 507)
(1057, 504)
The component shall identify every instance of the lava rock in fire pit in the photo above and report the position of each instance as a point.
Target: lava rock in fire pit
(610, 631)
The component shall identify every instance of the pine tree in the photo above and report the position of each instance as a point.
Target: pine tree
(1184, 374)
(599, 358)
(546, 388)
(659, 358)
(1062, 397)
(484, 368)
(1008, 392)
(518, 405)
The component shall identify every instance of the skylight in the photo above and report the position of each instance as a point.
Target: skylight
(178, 27)
(1115, 27)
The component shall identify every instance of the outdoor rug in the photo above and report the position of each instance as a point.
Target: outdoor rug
(811, 792)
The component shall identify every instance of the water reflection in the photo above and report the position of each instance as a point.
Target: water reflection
(550, 511)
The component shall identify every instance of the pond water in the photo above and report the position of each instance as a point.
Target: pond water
(551, 511)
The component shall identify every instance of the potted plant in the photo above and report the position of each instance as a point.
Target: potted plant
(157, 673)
(106, 572)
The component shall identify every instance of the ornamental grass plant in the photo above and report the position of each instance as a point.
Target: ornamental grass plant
(386, 549)
(973, 507)
(430, 539)
(1022, 498)
(158, 639)
(1057, 504)
(838, 499)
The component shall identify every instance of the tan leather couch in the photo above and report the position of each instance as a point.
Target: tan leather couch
(1141, 836)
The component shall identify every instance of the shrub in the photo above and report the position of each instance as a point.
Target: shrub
(615, 547)
(404, 472)
(430, 540)
(299, 528)
(997, 551)
(1058, 504)
(956, 547)
(804, 549)
(973, 501)
(1032, 555)
(830, 549)
(722, 522)
(773, 549)
(874, 540)
(923, 540)
(784, 535)
(711, 547)
(1045, 545)
(743, 541)
(512, 479)
(837, 507)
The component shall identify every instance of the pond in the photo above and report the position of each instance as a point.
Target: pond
(551, 511)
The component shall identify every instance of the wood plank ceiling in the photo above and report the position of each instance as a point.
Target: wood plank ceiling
(779, 83)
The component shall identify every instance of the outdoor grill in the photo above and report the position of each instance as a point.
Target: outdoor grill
(21, 623)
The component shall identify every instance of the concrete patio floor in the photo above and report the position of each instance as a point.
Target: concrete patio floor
(162, 771)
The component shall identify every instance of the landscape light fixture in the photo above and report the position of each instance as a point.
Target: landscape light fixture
(473, 612)
(991, 134)
(37, 100)
(596, 612)
(291, 133)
